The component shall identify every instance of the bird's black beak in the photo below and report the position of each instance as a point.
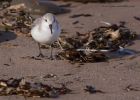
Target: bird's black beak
(50, 27)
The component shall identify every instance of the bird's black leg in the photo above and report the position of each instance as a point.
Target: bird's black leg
(51, 55)
(40, 53)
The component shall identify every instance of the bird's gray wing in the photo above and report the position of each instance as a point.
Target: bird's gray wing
(36, 22)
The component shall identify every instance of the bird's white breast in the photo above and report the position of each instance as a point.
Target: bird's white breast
(43, 34)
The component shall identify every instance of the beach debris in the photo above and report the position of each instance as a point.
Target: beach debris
(75, 22)
(6, 64)
(21, 87)
(68, 74)
(50, 76)
(94, 45)
(81, 56)
(18, 7)
(137, 18)
(130, 87)
(16, 19)
(9, 45)
(31, 57)
(92, 90)
(79, 15)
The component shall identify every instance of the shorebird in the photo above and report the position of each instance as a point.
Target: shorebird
(46, 30)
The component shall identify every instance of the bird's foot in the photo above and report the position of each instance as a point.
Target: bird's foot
(41, 55)
(51, 57)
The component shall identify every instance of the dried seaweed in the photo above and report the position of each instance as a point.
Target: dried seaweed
(111, 37)
(81, 56)
(130, 87)
(137, 18)
(79, 15)
(16, 20)
(92, 46)
(20, 86)
(6, 64)
(50, 76)
(76, 22)
(92, 90)
(9, 45)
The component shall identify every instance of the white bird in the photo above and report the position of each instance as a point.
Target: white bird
(46, 30)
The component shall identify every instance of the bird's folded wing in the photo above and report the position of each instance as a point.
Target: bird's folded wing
(36, 22)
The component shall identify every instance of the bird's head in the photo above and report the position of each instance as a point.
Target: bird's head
(49, 19)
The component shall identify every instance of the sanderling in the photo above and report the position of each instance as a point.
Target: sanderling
(46, 30)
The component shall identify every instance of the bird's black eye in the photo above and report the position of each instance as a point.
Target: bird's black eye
(46, 20)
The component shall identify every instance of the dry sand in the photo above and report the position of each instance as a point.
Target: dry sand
(111, 77)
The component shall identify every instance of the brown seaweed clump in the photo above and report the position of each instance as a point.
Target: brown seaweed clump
(111, 37)
(81, 56)
(92, 46)
(16, 19)
(21, 87)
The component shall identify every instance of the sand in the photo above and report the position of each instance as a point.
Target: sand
(112, 76)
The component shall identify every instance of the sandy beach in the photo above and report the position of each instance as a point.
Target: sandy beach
(113, 76)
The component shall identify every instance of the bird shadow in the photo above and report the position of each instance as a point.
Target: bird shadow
(54, 8)
(40, 7)
(7, 36)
